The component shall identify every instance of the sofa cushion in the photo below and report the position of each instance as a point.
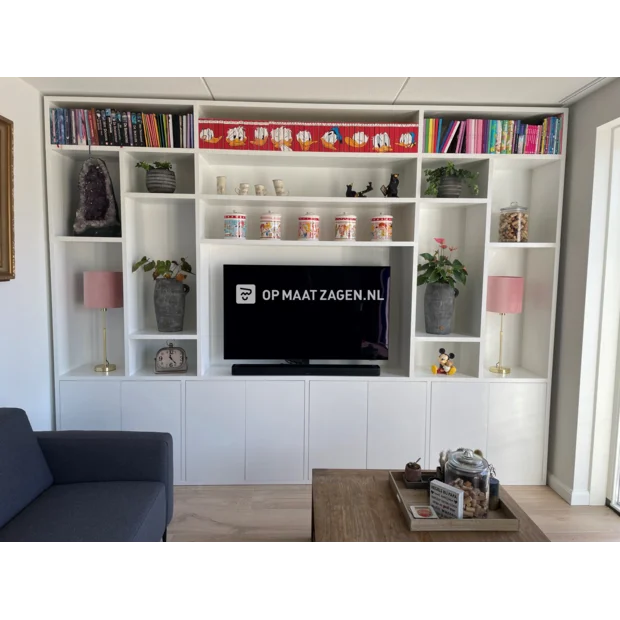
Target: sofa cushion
(24, 474)
(94, 512)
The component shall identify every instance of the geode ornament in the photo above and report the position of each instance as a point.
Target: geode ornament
(97, 215)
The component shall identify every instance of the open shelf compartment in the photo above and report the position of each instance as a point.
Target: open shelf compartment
(527, 336)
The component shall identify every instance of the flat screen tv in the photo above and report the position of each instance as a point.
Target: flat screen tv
(278, 312)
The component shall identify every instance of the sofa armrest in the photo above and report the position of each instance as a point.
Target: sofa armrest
(109, 456)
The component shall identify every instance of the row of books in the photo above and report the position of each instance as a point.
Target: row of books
(500, 137)
(109, 127)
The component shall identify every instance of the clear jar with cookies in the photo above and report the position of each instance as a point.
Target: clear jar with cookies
(470, 472)
(514, 224)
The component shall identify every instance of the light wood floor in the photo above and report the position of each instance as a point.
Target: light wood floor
(282, 513)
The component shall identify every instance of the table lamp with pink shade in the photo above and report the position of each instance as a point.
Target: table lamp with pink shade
(504, 295)
(103, 290)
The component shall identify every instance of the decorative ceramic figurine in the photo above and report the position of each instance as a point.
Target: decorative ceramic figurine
(446, 365)
(391, 191)
(351, 193)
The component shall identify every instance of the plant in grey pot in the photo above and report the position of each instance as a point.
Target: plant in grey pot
(170, 290)
(160, 178)
(448, 181)
(440, 274)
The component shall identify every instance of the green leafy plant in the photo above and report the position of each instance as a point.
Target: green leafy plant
(157, 165)
(433, 178)
(439, 267)
(168, 269)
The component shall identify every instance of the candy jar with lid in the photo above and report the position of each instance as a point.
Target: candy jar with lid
(470, 472)
(513, 223)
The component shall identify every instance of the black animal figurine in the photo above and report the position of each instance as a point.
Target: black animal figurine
(351, 193)
(391, 191)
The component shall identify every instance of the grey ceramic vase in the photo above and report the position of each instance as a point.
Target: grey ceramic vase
(439, 308)
(170, 304)
(450, 187)
(161, 181)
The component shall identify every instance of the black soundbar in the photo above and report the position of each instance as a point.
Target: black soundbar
(319, 370)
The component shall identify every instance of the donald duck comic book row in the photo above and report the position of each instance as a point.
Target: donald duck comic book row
(307, 136)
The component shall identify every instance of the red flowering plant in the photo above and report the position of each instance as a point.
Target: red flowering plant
(440, 268)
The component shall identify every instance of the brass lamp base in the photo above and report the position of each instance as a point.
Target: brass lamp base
(500, 370)
(107, 367)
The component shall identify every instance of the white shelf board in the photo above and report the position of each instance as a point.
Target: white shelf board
(153, 334)
(157, 197)
(301, 159)
(424, 372)
(284, 243)
(521, 246)
(223, 371)
(517, 374)
(68, 239)
(444, 203)
(260, 201)
(501, 162)
(453, 337)
(82, 149)
(87, 371)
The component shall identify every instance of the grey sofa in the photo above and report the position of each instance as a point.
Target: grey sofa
(83, 485)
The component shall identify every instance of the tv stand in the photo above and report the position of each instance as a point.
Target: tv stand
(319, 370)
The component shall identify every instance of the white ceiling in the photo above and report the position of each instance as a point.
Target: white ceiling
(446, 90)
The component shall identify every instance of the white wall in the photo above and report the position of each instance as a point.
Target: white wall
(25, 331)
(572, 398)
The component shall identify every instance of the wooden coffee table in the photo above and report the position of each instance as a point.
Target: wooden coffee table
(358, 505)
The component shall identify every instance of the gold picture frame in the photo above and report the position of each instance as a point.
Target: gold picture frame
(7, 225)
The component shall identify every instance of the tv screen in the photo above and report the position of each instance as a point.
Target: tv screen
(277, 312)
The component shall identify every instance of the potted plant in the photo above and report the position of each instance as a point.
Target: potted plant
(160, 178)
(448, 181)
(170, 290)
(440, 274)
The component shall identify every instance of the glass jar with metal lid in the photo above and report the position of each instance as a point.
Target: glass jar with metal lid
(469, 472)
(513, 223)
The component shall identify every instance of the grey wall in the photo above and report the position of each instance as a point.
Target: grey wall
(585, 116)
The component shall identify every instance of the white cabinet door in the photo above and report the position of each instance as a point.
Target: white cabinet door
(215, 432)
(154, 407)
(516, 446)
(396, 423)
(338, 424)
(459, 413)
(274, 431)
(90, 405)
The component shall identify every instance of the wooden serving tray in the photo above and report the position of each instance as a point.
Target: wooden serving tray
(501, 520)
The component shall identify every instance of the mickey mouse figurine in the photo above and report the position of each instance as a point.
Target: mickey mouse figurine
(446, 365)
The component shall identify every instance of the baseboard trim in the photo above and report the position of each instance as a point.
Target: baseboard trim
(574, 498)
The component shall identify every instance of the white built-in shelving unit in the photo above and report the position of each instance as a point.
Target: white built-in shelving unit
(241, 429)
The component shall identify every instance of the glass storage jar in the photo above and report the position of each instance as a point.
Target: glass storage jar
(467, 471)
(513, 223)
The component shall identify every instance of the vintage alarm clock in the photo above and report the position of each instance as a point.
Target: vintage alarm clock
(171, 359)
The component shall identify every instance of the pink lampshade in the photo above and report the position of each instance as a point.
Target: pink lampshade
(505, 294)
(103, 289)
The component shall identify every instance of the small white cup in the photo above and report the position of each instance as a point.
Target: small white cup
(221, 185)
(260, 190)
(243, 189)
(278, 185)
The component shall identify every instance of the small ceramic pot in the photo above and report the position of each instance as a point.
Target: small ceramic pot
(344, 227)
(308, 227)
(234, 225)
(270, 226)
(381, 227)
(161, 181)
(413, 472)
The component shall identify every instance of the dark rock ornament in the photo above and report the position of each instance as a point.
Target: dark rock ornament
(97, 214)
